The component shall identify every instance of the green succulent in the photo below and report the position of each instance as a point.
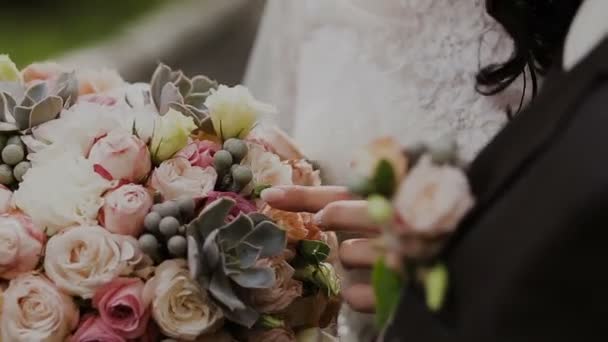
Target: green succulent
(39, 104)
(223, 257)
(172, 89)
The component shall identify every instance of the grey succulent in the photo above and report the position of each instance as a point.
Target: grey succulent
(223, 257)
(172, 89)
(38, 104)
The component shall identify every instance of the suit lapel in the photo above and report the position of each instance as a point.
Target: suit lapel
(530, 133)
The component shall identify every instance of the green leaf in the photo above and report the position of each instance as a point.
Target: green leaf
(313, 251)
(384, 179)
(388, 285)
(436, 285)
(270, 322)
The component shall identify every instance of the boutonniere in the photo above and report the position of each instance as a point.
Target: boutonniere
(418, 196)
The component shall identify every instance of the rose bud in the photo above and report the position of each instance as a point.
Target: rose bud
(93, 328)
(125, 208)
(21, 243)
(199, 153)
(122, 156)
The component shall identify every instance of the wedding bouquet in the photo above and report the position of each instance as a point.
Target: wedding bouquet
(131, 212)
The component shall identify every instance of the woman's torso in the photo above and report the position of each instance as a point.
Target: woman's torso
(345, 71)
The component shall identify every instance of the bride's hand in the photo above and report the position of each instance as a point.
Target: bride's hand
(336, 210)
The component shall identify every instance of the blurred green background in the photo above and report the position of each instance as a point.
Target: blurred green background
(35, 30)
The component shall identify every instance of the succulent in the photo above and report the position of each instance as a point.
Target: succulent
(172, 89)
(223, 257)
(40, 103)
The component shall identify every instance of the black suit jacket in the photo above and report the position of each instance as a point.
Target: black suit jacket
(530, 263)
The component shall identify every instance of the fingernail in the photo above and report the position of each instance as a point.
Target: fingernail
(318, 218)
(272, 195)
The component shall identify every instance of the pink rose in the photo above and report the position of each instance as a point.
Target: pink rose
(93, 329)
(124, 209)
(241, 206)
(122, 308)
(120, 155)
(5, 199)
(20, 245)
(35, 310)
(175, 178)
(199, 153)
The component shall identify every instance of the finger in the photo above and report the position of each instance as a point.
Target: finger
(346, 216)
(360, 297)
(359, 253)
(303, 198)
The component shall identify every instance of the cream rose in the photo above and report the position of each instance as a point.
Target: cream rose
(180, 307)
(175, 178)
(303, 173)
(80, 260)
(284, 291)
(267, 167)
(35, 310)
(433, 198)
(21, 245)
(234, 111)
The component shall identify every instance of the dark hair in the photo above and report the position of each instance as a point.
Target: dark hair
(538, 29)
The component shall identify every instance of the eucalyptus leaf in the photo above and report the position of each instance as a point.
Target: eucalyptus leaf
(160, 77)
(387, 285)
(233, 233)
(268, 235)
(169, 94)
(22, 117)
(67, 88)
(384, 179)
(258, 218)
(9, 101)
(212, 216)
(196, 100)
(246, 317)
(207, 126)
(37, 92)
(202, 84)
(184, 85)
(8, 127)
(221, 288)
(247, 254)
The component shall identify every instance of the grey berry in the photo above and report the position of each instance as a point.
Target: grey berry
(6, 175)
(168, 226)
(20, 170)
(177, 246)
(222, 160)
(186, 207)
(151, 221)
(148, 244)
(168, 208)
(242, 175)
(237, 148)
(15, 140)
(13, 154)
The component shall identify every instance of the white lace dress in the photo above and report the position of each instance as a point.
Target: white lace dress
(344, 71)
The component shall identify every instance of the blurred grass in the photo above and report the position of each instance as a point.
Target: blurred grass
(35, 30)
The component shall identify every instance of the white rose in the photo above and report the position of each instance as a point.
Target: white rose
(35, 310)
(79, 260)
(433, 198)
(180, 307)
(267, 167)
(62, 193)
(175, 178)
(5, 199)
(234, 111)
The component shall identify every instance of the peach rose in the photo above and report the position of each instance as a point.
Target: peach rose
(120, 155)
(35, 310)
(293, 223)
(282, 293)
(366, 160)
(82, 259)
(303, 173)
(175, 178)
(20, 245)
(267, 167)
(122, 308)
(433, 198)
(124, 209)
(271, 335)
(93, 328)
(47, 71)
(199, 153)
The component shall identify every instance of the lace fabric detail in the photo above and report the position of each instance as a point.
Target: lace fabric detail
(345, 71)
